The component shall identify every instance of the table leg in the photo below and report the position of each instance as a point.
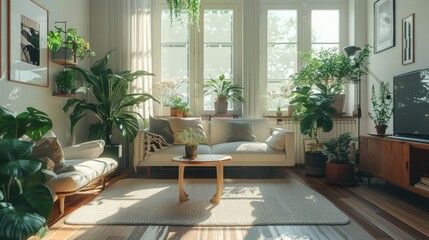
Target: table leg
(219, 183)
(182, 194)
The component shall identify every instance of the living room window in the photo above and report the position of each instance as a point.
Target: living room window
(286, 30)
(188, 55)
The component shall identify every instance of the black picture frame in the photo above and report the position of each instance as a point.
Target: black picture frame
(384, 25)
(408, 39)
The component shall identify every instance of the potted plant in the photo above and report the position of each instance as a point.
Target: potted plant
(25, 202)
(65, 81)
(176, 106)
(333, 69)
(67, 46)
(381, 108)
(224, 90)
(112, 104)
(339, 168)
(314, 110)
(191, 137)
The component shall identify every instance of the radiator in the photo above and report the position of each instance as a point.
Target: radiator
(340, 126)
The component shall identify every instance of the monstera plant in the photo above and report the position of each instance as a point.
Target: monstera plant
(25, 202)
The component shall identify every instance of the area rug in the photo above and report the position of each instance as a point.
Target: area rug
(243, 203)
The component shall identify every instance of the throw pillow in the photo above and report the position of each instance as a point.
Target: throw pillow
(85, 150)
(178, 125)
(241, 132)
(51, 148)
(277, 140)
(161, 127)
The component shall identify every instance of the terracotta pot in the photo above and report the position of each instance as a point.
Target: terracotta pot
(381, 129)
(279, 113)
(173, 112)
(191, 152)
(315, 164)
(340, 173)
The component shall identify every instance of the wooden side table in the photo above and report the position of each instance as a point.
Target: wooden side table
(216, 160)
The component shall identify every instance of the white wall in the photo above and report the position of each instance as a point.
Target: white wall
(17, 97)
(388, 63)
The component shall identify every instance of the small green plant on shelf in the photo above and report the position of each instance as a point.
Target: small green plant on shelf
(80, 48)
(66, 81)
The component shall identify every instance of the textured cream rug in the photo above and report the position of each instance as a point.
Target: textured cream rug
(244, 203)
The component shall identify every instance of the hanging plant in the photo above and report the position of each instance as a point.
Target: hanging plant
(193, 7)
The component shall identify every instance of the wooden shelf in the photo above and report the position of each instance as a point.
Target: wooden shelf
(398, 162)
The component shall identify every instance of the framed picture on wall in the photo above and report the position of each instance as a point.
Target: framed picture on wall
(384, 25)
(408, 40)
(27, 44)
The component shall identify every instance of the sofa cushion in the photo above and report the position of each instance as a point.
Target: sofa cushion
(161, 127)
(256, 152)
(178, 125)
(49, 147)
(219, 129)
(86, 150)
(277, 139)
(86, 171)
(241, 131)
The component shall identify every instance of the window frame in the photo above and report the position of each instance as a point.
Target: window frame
(304, 35)
(196, 54)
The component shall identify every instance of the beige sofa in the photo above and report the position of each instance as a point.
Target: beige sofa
(271, 147)
(82, 170)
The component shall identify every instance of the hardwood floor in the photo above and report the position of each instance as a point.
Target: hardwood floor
(377, 211)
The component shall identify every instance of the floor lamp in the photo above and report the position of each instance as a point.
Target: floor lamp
(350, 51)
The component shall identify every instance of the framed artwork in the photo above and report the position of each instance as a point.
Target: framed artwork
(27, 44)
(384, 25)
(408, 40)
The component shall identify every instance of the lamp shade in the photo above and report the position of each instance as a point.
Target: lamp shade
(351, 50)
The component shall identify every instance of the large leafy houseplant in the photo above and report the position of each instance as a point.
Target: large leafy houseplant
(25, 202)
(113, 105)
(314, 110)
(224, 90)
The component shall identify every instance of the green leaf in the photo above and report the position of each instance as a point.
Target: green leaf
(13, 149)
(17, 223)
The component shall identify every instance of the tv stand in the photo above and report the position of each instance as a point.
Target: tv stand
(395, 161)
(422, 140)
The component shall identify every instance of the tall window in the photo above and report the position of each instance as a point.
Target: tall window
(191, 56)
(287, 30)
(282, 48)
(218, 48)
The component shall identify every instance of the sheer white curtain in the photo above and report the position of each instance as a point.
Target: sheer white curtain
(129, 24)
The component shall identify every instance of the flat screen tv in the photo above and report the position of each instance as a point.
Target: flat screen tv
(411, 106)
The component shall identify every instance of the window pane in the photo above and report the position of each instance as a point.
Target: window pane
(171, 67)
(217, 60)
(175, 32)
(218, 26)
(282, 60)
(276, 94)
(282, 26)
(325, 26)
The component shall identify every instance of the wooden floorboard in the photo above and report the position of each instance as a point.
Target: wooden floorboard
(377, 211)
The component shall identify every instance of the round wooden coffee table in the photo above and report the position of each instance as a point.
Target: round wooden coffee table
(216, 160)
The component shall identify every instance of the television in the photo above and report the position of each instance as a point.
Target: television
(411, 106)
